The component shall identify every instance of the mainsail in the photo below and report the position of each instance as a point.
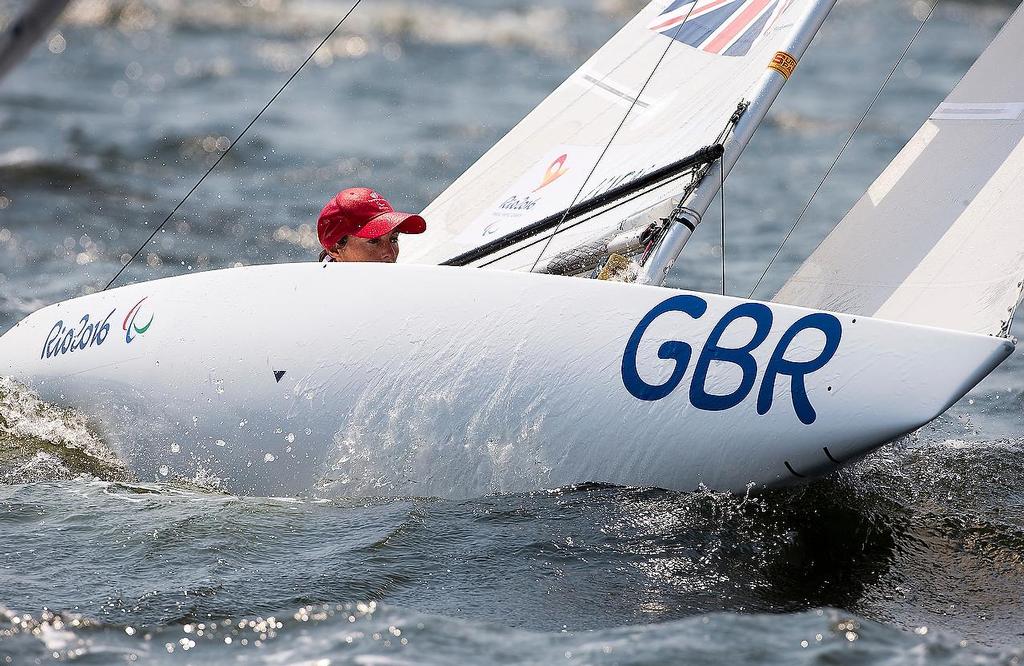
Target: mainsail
(17, 39)
(706, 58)
(939, 238)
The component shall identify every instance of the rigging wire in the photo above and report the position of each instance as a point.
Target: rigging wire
(846, 145)
(233, 143)
(721, 193)
(629, 112)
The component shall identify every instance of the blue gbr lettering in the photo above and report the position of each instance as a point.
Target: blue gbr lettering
(755, 315)
(669, 351)
(740, 357)
(798, 370)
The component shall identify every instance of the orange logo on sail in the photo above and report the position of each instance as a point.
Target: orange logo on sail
(554, 172)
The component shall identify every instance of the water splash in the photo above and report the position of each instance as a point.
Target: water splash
(40, 442)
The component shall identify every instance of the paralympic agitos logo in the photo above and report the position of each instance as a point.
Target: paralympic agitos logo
(91, 331)
(131, 325)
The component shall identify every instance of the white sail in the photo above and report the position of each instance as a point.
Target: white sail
(17, 39)
(939, 238)
(712, 54)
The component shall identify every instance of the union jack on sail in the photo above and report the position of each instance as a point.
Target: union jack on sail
(723, 27)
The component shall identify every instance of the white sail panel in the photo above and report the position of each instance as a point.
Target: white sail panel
(718, 53)
(938, 239)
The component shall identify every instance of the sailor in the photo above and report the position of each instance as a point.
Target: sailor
(358, 224)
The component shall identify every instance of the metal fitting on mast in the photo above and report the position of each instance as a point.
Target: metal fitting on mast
(680, 226)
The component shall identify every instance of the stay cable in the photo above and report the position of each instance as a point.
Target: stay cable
(846, 145)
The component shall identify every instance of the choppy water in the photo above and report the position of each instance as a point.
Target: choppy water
(916, 555)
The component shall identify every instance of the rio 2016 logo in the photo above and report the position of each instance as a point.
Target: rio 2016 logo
(90, 332)
(132, 326)
(69, 339)
(742, 357)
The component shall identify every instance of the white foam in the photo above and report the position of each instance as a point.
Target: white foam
(26, 419)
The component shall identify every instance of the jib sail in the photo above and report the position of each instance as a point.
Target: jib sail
(676, 73)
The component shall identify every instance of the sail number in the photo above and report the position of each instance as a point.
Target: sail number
(741, 357)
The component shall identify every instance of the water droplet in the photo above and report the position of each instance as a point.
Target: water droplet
(57, 44)
(175, 448)
(164, 471)
(269, 458)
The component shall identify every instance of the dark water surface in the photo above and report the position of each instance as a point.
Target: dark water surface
(915, 555)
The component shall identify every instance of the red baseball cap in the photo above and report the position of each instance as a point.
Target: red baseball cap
(363, 213)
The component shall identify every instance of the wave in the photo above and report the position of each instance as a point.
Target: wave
(895, 539)
(42, 442)
(536, 26)
(367, 633)
(954, 487)
(26, 167)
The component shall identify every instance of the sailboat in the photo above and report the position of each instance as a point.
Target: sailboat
(488, 362)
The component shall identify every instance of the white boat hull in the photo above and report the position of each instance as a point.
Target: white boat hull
(349, 379)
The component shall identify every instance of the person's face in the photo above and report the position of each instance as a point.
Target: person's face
(382, 250)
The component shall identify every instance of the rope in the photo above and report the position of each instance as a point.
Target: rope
(233, 143)
(618, 129)
(846, 145)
